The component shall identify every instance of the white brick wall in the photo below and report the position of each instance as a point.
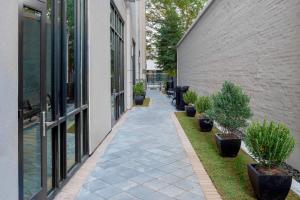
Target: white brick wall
(255, 44)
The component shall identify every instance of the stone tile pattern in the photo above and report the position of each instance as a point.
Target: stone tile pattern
(145, 160)
(255, 44)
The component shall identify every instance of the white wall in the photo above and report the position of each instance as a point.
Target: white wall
(9, 99)
(99, 71)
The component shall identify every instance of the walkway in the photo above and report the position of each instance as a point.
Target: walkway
(145, 160)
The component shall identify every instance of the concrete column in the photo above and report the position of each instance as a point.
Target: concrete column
(9, 99)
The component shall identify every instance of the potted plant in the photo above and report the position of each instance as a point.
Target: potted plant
(202, 104)
(139, 92)
(189, 98)
(230, 108)
(270, 144)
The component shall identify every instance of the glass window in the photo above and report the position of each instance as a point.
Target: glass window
(31, 102)
(71, 131)
(71, 71)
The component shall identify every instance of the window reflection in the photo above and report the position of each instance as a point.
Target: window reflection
(70, 57)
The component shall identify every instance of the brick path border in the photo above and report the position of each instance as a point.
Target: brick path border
(208, 188)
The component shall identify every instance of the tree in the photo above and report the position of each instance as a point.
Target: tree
(168, 36)
(157, 12)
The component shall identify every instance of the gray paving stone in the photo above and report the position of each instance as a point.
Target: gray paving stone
(108, 192)
(123, 196)
(186, 185)
(190, 196)
(84, 195)
(126, 185)
(95, 185)
(156, 184)
(169, 178)
(142, 178)
(172, 191)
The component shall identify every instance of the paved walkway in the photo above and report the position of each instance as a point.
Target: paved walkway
(145, 160)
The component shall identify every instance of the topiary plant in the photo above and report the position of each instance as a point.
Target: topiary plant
(138, 89)
(230, 107)
(190, 97)
(202, 104)
(270, 143)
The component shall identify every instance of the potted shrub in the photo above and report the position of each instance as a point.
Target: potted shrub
(202, 104)
(271, 144)
(139, 92)
(230, 108)
(189, 98)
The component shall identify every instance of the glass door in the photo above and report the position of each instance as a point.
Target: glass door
(117, 63)
(31, 101)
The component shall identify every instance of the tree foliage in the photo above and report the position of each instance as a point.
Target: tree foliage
(190, 97)
(270, 143)
(230, 107)
(166, 22)
(202, 104)
(168, 36)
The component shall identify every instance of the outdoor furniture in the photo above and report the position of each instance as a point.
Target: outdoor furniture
(29, 110)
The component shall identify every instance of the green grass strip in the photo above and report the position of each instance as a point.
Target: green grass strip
(229, 175)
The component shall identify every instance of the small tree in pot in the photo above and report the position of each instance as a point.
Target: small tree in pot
(203, 104)
(230, 108)
(139, 91)
(271, 144)
(189, 98)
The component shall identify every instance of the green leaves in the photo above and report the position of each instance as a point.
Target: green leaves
(230, 107)
(190, 97)
(203, 104)
(270, 143)
(138, 89)
(166, 22)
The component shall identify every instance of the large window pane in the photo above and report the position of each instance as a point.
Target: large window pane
(71, 71)
(49, 64)
(71, 131)
(31, 102)
(49, 161)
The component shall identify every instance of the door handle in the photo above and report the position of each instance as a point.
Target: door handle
(44, 123)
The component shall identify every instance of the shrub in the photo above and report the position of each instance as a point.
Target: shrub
(138, 89)
(190, 97)
(270, 143)
(230, 107)
(202, 104)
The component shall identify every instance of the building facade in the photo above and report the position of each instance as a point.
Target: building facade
(255, 44)
(67, 72)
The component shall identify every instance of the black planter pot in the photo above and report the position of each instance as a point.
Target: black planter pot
(228, 146)
(139, 100)
(190, 111)
(205, 124)
(269, 187)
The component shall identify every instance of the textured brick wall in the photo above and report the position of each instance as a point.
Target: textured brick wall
(256, 44)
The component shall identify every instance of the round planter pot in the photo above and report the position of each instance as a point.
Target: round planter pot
(190, 111)
(228, 144)
(269, 187)
(139, 100)
(205, 124)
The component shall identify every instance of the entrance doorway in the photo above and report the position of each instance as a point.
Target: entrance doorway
(53, 98)
(117, 63)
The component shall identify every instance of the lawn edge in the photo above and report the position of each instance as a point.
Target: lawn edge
(207, 186)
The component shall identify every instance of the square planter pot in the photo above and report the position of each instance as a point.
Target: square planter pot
(205, 124)
(139, 100)
(190, 111)
(269, 187)
(228, 144)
